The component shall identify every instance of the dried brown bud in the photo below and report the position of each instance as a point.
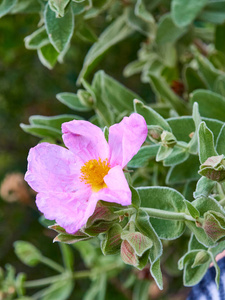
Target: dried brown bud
(14, 188)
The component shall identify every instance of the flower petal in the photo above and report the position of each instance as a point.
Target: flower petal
(70, 210)
(53, 168)
(85, 139)
(126, 138)
(117, 188)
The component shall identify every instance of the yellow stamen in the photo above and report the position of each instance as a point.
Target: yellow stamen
(93, 173)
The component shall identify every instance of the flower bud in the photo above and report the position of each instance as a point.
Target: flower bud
(139, 242)
(85, 98)
(213, 168)
(128, 254)
(201, 258)
(214, 225)
(14, 188)
(154, 133)
(168, 139)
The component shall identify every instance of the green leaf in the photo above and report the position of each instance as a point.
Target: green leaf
(48, 56)
(220, 144)
(163, 153)
(165, 199)
(6, 6)
(137, 23)
(192, 210)
(143, 156)
(72, 101)
(184, 12)
(192, 275)
(113, 34)
(217, 279)
(193, 144)
(219, 38)
(204, 187)
(157, 274)
(136, 201)
(57, 228)
(113, 92)
(42, 131)
(139, 242)
(193, 79)
(142, 12)
(214, 12)
(211, 105)
(186, 171)
(168, 31)
(103, 109)
(182, 127)
(85, 33)
(161, 87)
(177, 156)
(45, 222)
(133, 68)
(203, 205)
(27, 253)
(53, 122)
(150, 115)
(26, 6)
(112, 241)
(194, 244)
(60, 30)
(220, 247)
(206, 143)
(58, 6)
(208, 72)
(144, 226)
(37, 39)
(71, 238)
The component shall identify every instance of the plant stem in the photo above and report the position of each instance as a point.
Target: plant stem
(181, 145)
(69, 275)
(47, 261)
(43, 281)
(167, 215)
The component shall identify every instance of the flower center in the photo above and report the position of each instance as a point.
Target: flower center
(93, 173)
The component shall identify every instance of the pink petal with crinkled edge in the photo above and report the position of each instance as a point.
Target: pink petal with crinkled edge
(53, 168)
(126, 138)
(85, 140)
(117, 188)
(70, 210)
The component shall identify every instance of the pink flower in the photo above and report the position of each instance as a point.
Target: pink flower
(70, 182)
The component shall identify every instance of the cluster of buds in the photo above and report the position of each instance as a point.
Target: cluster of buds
(158, 135)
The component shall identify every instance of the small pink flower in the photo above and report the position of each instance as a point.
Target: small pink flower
(70, 182)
